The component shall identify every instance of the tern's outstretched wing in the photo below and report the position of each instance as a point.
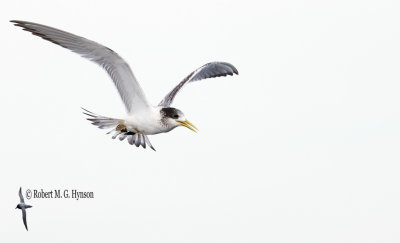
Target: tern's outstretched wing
(131, 93)
(24, 218)
(21, 198)
(209, 70)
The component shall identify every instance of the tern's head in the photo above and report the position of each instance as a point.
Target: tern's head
(18, 206)
(173, 117)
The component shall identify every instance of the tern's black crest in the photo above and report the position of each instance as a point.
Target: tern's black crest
(171, 112)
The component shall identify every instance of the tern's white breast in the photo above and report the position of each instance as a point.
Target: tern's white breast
(147, 122)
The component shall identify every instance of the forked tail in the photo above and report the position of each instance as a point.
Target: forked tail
(119, 129)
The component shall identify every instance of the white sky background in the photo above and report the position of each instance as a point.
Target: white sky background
(302, 146)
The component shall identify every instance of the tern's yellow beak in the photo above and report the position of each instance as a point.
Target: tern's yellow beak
(188, 125)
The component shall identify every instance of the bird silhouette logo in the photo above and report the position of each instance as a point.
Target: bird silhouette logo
(21, 205)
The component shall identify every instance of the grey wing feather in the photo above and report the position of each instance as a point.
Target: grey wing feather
(143, 142)
(24, 218)
(122, 137)
(129, 89)
(137, 141)
(21, 198)
(209, 70)
(131, 139)
(148, 142)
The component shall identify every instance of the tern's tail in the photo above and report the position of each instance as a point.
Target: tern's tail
(119, 129)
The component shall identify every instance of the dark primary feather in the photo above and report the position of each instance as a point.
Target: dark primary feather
(209, 70)
(21, 198)
(24, 218)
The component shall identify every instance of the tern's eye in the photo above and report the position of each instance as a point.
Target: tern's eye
(176, 116)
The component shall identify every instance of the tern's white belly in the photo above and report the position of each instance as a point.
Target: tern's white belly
(147, 128)
(148, 123)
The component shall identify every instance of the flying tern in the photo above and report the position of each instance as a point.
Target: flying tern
(142, 118)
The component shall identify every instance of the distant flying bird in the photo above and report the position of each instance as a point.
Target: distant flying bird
(23, 207)
(143, 119)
